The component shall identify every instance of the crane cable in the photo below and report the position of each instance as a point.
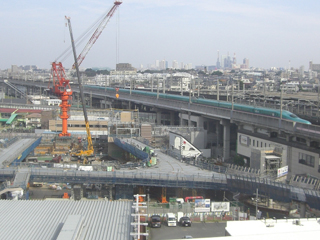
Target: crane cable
(117, 37)
(67, 52)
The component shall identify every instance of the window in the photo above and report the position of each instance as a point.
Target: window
(254, 142)
(306, 159)
(257, 143)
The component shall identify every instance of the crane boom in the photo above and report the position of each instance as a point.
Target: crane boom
(97, 33)
(90, 150)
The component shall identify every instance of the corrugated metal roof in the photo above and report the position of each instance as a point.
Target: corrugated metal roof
(44, 219)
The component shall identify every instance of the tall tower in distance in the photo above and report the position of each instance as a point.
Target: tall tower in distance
(218, 61)
(234, 59)
(246, 63)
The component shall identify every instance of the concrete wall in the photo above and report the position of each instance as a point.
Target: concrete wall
(199, 139)
(299, 168)
(290, 155)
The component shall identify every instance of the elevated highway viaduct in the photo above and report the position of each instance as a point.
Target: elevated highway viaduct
(227, 129)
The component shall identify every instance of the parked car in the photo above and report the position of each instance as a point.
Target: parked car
(155, 221)
(185, 221)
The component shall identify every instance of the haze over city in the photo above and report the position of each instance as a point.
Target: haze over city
(269, 33)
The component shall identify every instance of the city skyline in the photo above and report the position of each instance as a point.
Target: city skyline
(270, 34)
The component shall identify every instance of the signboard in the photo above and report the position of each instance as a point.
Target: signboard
(244, 140)
(282, 171)
(202, 205)
(220, 206)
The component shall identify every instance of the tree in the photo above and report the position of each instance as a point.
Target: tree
(241, 85)
(91, 73)
(238, 160)
(217, 73)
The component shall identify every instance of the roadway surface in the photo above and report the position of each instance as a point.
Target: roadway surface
(197, 230)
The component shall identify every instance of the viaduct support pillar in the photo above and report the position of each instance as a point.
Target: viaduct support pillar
(171, 118)
(302, 209)
(226, 139)
(158, 118)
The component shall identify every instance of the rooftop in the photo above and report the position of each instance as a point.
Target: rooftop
(28, 219)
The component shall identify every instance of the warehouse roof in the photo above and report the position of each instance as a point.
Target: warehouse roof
(46, 219)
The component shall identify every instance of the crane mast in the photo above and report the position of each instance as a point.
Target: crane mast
(61, 85)
(97, 33)
(90, 150)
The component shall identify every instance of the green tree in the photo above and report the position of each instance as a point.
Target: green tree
(241, 85)
(218, 73)
(238, 160)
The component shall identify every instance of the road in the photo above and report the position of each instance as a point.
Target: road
(197, 230)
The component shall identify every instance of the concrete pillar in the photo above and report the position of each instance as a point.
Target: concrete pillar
(158, 118)
(308, 142)
(288, 138)
(171, 118)
(302, 209)
(189, 119)
(181, 120)
(226, 139)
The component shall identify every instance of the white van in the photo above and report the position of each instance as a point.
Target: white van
(171, 220)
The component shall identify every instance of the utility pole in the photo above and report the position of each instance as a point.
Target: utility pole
(232, 96)
(164, 84)
(257, 203)
(152, 83)
(281, 103)
(157, 87)
(217, 89)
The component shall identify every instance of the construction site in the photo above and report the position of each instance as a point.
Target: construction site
(119, 164)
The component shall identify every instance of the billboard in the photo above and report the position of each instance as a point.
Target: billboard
(244, 140)
(282, 171)
(220, 206)
(202, 205)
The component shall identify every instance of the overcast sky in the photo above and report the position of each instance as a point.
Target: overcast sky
(269, 33)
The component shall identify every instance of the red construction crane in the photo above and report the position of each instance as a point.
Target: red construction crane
(60, 85)
(61, 88)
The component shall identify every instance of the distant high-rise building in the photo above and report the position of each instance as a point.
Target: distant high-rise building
(182, 66)
(314, 67)
(14, 69)
(234, 59)
(245, 64)
(157, 64)
(163, 64)
(175, 64)
(218, 61)
(124, 67)
(301, 72)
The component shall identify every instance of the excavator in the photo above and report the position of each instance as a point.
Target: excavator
(90, 151)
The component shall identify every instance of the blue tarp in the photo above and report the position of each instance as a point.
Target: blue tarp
(131, 149)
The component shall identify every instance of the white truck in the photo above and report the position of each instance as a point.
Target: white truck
(171, 220)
